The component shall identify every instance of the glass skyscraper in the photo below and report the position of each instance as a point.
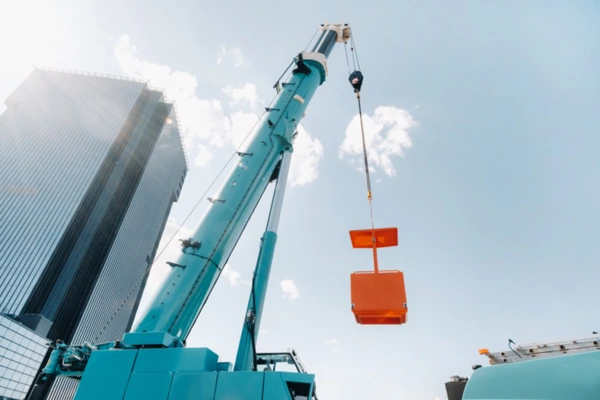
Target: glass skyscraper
(89, 168)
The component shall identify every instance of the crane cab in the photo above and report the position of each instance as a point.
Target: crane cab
(377, 297)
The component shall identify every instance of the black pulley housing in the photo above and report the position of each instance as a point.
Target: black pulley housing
(356, 80)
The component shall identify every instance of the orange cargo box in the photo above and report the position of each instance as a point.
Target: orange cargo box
(378, 298)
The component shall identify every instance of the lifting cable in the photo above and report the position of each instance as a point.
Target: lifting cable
(356, 80)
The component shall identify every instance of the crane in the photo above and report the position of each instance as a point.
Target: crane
(151, 361)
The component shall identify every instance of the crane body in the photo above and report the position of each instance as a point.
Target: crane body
(559, 370)
(151, 361)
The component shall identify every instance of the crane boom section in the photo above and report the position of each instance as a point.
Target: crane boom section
(184, 292)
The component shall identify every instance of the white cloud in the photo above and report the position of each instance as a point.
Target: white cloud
(247, 94)
(333, 343)
(304, 167)
(238, 57)
(241, 124)
(203, 157)
(201, 119)
(235, 53)
(289, 289)
(386, 135)
(220, 54)
(233, 276)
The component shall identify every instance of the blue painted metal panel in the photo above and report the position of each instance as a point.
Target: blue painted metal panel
(106, 375)
(275, 387)
(182, 360)
(239, 386)
(244, 359)
(574, 376)
(224, 366)
(149, 338)
(193, 385)
(149, 386)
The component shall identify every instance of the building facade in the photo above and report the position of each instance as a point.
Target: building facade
(89, 168)
(21, 352)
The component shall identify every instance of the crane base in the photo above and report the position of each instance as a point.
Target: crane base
(182, 373)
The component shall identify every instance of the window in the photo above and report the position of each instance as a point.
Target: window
(9, 335)
(17, 339)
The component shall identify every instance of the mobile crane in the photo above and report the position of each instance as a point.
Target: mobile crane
(151, 361)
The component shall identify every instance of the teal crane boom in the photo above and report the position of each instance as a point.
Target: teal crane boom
(151, 361)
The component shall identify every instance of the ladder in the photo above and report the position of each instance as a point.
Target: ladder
(299, 363)
(542, 350)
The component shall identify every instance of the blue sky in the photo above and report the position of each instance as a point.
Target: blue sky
(495, 198)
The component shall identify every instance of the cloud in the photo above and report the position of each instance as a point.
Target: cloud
(235, 53)
(203, 157)
(247, 94)
(241, 124)
(333, 343)
(233, 277)
(289, 289)
(304, 167)
(386, 135)
(201, 119)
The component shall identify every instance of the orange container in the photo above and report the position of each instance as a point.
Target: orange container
(378, 298)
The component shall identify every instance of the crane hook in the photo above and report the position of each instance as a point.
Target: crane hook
(356, 80)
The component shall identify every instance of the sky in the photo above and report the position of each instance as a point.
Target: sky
(482, 124)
